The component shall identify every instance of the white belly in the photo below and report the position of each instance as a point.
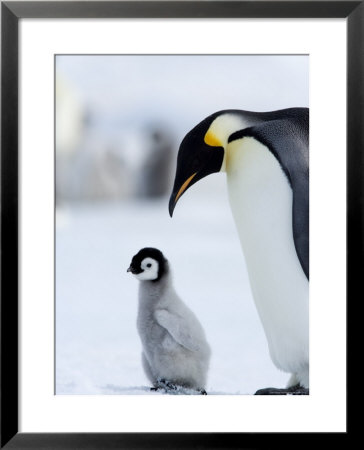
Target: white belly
(261, 202)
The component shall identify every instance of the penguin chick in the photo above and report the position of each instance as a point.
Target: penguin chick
(175, 350)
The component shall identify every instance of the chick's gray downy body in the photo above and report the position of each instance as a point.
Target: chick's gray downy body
(175, 350)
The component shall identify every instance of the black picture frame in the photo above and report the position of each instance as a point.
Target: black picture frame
(11, 13)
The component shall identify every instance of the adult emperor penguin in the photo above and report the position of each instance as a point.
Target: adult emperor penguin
(265, 157)
(175, 351)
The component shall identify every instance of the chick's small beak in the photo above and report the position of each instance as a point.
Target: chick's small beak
(130, 269)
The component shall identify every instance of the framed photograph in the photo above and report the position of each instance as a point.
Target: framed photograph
(133, 317)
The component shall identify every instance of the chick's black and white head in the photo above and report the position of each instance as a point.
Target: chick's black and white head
(148, 264)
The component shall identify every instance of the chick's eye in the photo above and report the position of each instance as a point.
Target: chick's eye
(149, 265)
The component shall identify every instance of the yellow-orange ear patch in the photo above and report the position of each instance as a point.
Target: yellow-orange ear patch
(212, 140)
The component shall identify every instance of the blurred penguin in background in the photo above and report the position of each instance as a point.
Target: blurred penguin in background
(155, 172)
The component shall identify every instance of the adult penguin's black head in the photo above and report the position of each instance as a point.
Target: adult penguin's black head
(200, 154)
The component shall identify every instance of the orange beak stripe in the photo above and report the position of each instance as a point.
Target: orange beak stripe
(184, 187)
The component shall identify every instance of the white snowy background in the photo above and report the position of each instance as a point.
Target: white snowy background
(104, 105)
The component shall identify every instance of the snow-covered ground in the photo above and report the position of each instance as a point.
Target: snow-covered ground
(97, 345)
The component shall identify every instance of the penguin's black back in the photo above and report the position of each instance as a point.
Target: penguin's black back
(286, 134)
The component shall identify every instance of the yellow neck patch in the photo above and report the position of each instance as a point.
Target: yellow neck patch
(212, 140)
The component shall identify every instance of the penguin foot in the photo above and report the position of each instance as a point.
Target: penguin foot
(166, 385)
(175, 389)
(293, 390)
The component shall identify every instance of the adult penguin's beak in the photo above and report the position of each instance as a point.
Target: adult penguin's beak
(199, 155)
(193, 164)
(178, 191)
